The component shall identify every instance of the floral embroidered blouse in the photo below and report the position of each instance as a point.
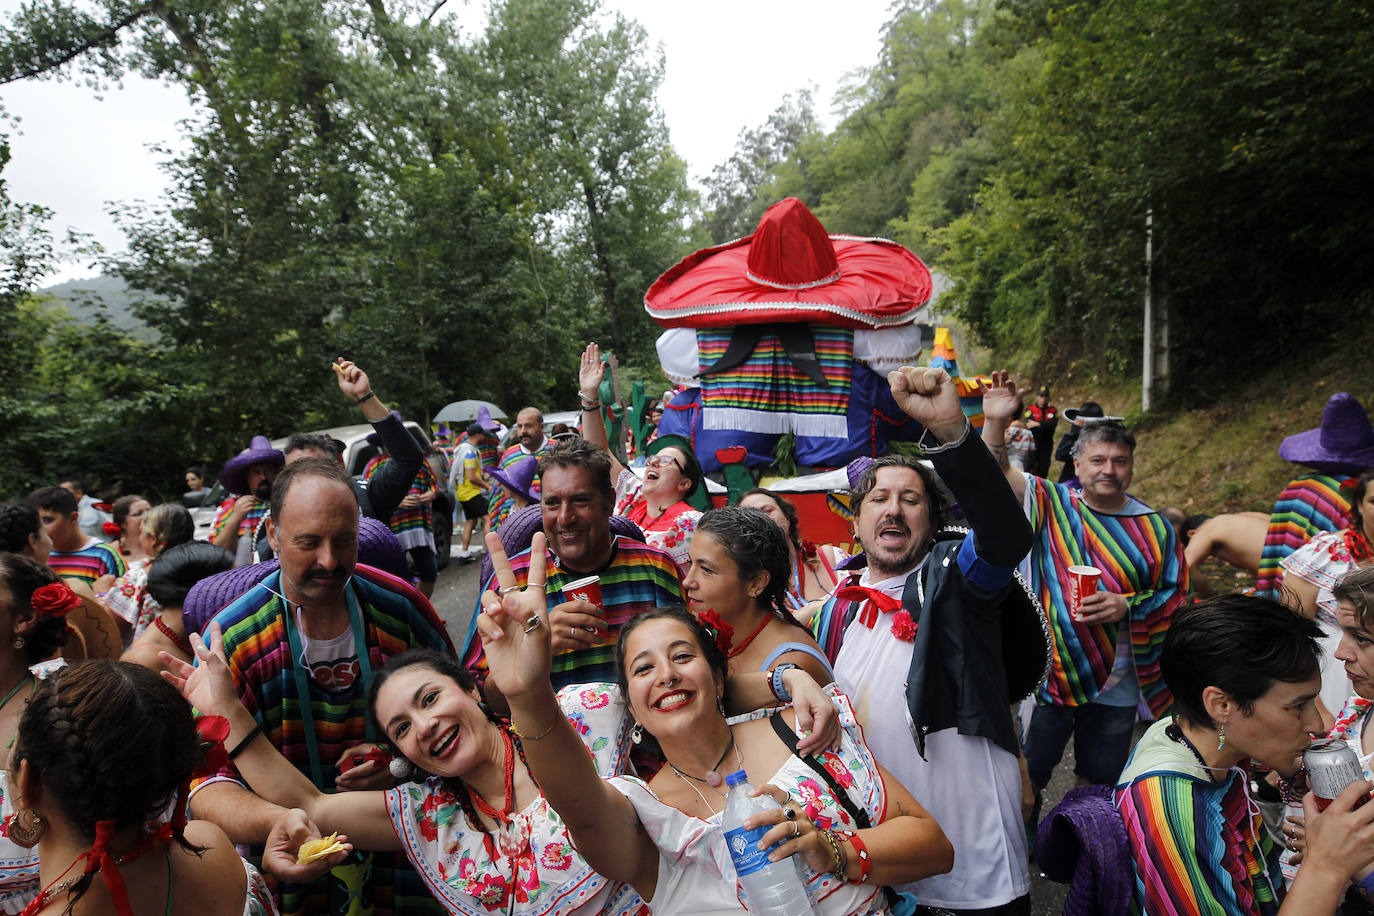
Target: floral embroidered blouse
(471, 874)
(696, 874)
(128, 598)
(1324, 561)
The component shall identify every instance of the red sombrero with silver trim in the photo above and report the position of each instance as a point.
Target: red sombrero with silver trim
(791, 270)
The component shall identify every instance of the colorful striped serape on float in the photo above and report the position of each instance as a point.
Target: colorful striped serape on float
(1140, 558)
(943, 356)
(1309, 505)
(767, 394)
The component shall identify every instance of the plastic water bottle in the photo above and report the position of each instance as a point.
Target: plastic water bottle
(772, 888)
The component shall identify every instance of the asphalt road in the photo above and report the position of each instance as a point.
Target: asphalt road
(455, 596)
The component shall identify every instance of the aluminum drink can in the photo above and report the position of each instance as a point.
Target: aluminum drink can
(1331, 766)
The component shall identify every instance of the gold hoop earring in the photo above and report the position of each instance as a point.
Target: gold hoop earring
(27, 828)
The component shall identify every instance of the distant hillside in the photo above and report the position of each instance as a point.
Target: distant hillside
(83, 298)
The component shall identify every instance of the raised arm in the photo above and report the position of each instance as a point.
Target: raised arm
(602, 822)
(209, 686)
(1001, 405)
(1002, 535)
(589, 378)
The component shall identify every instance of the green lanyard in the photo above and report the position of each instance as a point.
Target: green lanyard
(303, 699)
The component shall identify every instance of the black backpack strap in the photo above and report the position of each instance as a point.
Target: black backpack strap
(789, 738)
(861, 820)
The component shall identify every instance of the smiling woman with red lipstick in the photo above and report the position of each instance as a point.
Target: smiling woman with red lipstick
(664, 838)
(737, 584)
(477, 828)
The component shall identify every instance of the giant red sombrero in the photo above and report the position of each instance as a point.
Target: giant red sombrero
(791, 270)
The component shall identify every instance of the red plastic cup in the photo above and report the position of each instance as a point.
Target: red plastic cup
(588, 589)
(1082, 582)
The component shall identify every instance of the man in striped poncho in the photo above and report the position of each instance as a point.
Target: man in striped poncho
(1107, 659)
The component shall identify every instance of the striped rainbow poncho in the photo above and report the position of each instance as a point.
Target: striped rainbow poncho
(1309, 505)
(1198, 846)
(1139, 557)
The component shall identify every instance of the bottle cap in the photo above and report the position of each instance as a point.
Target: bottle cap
(736, 778)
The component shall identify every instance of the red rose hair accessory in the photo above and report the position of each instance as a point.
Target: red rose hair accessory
(56, 599)
(210, 753)
(111, 529)
(719, 630)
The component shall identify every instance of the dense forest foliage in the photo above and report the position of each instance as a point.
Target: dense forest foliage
(460, 212)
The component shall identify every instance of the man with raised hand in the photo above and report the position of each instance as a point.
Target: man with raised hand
(918, 641)
(1106, 654)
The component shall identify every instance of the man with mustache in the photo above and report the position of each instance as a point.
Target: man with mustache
(1106, 658)
(249, 474)
(302, 644)
(916, 639)
(529, 440)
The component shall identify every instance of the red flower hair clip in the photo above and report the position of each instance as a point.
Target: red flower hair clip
(111, 529)
(56, 599)
(211, 756)
(719, 630)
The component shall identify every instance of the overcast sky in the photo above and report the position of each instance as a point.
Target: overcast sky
(728, 65)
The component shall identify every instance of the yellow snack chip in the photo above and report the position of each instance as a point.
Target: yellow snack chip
(311, 850)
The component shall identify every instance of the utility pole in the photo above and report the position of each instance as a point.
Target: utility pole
(1155, 358)
(1147, 358)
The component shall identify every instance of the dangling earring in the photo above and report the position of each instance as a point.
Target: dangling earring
(637, 733)
(720, 704)
(19, 642)
(27, 828)
(1221, 736)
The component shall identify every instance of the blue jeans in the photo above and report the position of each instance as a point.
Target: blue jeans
(1101, 742)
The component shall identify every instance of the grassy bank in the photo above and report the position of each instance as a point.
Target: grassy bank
(1223, 456)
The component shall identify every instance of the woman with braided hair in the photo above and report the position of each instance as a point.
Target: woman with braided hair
(21, 532)
(737, 586)
(814, 577)
(28, 637)
(104, 749)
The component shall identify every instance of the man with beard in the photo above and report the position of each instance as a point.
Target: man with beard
(1106, 657)
(917, 643)
(250, 475)
(302, 645)
(529, 440)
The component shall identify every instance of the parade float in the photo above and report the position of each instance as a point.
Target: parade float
(779, 344)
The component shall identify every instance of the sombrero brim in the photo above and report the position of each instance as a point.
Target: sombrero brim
(504, 476)
(880, 284)
(1306, 449)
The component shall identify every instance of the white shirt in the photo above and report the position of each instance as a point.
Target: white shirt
(969, 785)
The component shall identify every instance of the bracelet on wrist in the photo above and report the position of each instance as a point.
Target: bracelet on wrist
(775, 683)
(838, 864)
(860, 850)
(365, 398)
(523, 737)
(248, 739)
